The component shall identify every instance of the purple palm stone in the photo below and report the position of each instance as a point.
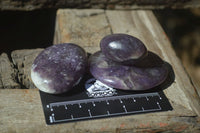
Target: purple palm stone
(122, 47)
(58, 68)
(148, 74)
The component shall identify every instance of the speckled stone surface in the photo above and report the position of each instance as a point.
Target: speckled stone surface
(58, 68)
(122, 47)
(147, 74)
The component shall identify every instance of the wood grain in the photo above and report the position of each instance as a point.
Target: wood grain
(7, 73)
(82, 27)
(23, 60)
(21, 110)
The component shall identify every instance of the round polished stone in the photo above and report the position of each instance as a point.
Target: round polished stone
(58, 68)
(122, 47)
(149, 73)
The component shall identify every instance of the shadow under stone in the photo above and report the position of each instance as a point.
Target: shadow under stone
(153, 60)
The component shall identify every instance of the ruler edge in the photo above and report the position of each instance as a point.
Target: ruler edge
(160, 93)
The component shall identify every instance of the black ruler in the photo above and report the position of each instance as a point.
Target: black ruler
(80, 105)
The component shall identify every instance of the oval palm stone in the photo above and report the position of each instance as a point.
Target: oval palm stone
(117, 75)
(58, 68)
(122, 47)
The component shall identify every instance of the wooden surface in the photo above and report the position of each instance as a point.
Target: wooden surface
(21, 110)
(96, 4)
(23, 60)
(7, 73)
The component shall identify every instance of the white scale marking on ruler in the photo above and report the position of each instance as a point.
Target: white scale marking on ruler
(102, 99)
(120, 101)
(142, 109)
(125, 108)
(54, 119)
(57, 104)
(134, 100)
(89, 113)
(147, 98)
(99, 94)
(51, 119)
(158, 105)
(93, 104)
(107, 102)
(108, 114)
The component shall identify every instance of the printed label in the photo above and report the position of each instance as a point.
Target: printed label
(95, 88)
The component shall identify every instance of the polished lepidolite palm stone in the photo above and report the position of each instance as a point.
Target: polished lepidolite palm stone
(146, 75)
(58, 68)
(122, 47)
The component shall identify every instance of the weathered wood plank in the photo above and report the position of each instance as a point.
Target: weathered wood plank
(97, 4)
(144, 25)
(7, 73)
(83, 27)
(21, 111)
(23, 60)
